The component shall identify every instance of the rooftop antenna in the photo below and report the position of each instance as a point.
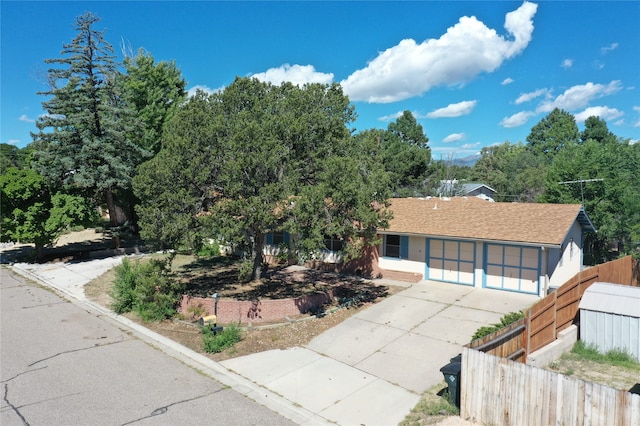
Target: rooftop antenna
(580, 181)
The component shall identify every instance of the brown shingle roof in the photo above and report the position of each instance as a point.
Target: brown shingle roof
(471, 217)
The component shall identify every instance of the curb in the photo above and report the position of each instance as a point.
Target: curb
(199, 362)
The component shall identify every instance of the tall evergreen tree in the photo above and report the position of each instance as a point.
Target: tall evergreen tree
(83, 143)
(553, 133)
(405, 154)
(154, 91)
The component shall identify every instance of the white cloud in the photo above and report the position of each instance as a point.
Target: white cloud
(506, 81)
(391, 116)
(567, 63)
(296, 74)
(526, 97)
(607, 49)
(517, 119)
(454, 137)
(579, 96)
(26, 119)
(206, 89)
(13, 141)
(619, 122)
(470, 145)
(467, 49)
(637, 124)
(454, 110)
(636, 108)
(603, 112)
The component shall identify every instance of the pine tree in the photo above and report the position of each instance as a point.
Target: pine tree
(82, 143)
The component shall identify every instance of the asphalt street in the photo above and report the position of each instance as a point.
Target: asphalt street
(64, 364)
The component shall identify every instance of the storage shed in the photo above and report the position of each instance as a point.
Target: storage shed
(610, 318)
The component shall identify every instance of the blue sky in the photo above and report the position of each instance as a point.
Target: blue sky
(473, 73)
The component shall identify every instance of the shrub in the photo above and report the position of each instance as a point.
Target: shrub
(246, 270)
(124, 284)
(506, 320)
(221, 341)
(209, 249)
(145, 288)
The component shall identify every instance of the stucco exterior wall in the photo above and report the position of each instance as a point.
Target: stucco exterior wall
(567, 261)
(415, 263)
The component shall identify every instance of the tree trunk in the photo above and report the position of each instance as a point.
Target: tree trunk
(39, 251)
(113, 223)
(256, 255)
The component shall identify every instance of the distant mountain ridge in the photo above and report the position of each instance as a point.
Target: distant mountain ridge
(468, 161)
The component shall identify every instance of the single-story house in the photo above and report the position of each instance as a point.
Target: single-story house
(454, 187)
(521, 247)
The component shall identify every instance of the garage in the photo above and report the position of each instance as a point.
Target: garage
(510, 267)
(450, 261)
(519, 247)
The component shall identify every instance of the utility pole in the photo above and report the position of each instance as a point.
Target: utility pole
(581, 182)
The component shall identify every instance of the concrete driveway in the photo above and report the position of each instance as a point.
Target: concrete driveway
(372, 368)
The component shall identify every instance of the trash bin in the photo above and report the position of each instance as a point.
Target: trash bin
(451, 374)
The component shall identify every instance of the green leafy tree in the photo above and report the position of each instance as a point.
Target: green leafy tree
(406, 154)
(613, 204)
(553, 133)
(154, 91)
(257, 158)
(596, 129)
(12, 156)
(82, 143)
(512, 170)
(31, 214)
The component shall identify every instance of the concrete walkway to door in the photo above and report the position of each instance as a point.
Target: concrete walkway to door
(372, 368)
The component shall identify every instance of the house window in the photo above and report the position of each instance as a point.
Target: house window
(278, 238)
(333, 243)
(392, 245)
(571, 249)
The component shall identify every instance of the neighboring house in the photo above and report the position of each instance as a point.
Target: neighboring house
(453, 187)
(521, 247)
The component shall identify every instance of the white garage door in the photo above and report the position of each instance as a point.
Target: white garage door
(451, 261)
(512, 268)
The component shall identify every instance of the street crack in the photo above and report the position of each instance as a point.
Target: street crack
(162, 410)
(15, 409)
(97, 345)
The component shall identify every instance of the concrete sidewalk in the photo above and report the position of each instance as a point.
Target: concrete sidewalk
(369, 370)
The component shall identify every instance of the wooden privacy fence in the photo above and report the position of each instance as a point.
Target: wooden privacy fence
(508, 342)
(555, 312)
(502, 392)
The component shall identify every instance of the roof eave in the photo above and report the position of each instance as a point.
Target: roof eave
(472, 239)
(585, 222)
